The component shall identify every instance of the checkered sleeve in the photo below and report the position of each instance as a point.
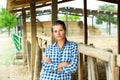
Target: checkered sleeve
(72, 67)
(50, 67)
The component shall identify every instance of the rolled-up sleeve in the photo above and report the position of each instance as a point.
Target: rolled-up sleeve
(72, 67)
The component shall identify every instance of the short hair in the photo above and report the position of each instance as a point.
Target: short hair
(59, 22)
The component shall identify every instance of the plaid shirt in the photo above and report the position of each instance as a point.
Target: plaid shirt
(69, 53)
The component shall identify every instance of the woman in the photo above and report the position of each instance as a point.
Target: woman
(61, 58)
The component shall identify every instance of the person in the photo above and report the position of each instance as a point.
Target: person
(60, 58)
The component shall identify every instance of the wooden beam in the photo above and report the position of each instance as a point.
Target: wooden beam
(33, 36)
(38, 6)
(23, 3)
(110, 1)
(93, 52)
(24, 34)
(54, 15)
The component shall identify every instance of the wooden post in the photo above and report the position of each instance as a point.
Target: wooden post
(38, 64)
(92, 75)
(85, 25)
(118, 17)
(85, 22)
(80, 67)
(33, 35)
(28, 51)
(66, 19)
(54, 15)
(110, 68)
(109, 24)
(24, 35)
(92, 67)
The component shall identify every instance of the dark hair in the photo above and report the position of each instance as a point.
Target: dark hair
(59, 22)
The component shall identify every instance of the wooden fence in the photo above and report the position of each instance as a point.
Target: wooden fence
(111, 60)
(93, 54)
(41, 45)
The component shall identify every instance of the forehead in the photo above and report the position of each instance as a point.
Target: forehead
(58, 26)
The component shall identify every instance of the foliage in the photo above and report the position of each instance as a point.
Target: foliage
(70, 17)
(7, 20)
(105, 17)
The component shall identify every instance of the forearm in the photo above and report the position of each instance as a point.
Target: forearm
(61, 65)
(49, 66)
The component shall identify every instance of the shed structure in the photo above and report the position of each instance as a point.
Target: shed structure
(23, 5)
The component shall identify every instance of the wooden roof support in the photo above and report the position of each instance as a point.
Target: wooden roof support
(85, 22)
(33, 36)
(119, 31)
(110, 1)
(27, 8)
(24, 34)
(118, 27)
(54, 14)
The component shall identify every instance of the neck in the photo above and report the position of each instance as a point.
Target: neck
(61, 43)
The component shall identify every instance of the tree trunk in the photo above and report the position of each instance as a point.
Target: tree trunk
(9, 32)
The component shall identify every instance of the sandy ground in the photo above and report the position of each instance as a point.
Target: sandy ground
(9, 72)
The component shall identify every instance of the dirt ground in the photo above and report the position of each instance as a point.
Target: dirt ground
(8, 71)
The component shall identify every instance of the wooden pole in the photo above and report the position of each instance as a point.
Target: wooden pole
(67, 20)
(80, 67)
(33, 35)
(24, 35)
(28, 48)
(119, 31)
(109, 24)
(118, 27)
(85, 25)
(54, 14)
(38, 64)
(85, 22)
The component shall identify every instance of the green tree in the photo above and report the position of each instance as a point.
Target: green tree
(105, 17)
(70, 17)
(7, 20)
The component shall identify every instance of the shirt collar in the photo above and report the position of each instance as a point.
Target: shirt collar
(55, 43)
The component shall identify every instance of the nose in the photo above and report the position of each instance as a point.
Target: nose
(58, 32)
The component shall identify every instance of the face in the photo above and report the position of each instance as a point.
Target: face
(58, 32)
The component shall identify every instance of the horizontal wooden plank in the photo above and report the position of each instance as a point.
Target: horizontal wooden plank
(93, 52)
(110, 1)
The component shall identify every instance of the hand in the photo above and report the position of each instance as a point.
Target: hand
(59, 70)
(61, 65)
(47, 60)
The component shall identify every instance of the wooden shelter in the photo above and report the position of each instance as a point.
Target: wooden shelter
(23, 5)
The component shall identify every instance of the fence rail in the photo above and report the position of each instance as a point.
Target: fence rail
(112, 61)
(17, 41)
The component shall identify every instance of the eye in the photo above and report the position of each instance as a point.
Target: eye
(55, 31)
(61, 29)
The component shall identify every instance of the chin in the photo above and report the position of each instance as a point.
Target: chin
(59, 39)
